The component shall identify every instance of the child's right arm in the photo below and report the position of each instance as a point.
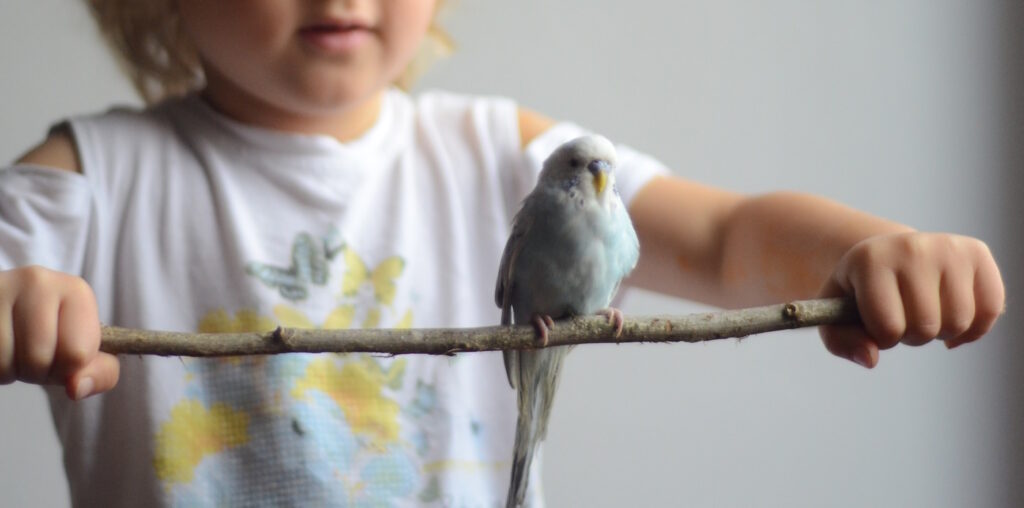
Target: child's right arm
(49, 323)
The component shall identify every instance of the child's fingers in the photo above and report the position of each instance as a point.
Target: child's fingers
(957, 291)
(78, 331)
(912, 288)
(851, 342)
(989, 301)
(49, 327)
(919, 289)
(881, 307)
(98, 376)
(34, 316)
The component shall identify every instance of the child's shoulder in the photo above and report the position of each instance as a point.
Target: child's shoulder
(57, 151)
(61, 149)
(498, 114)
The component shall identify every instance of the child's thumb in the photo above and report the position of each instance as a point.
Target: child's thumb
(850, 342)
(98, 376)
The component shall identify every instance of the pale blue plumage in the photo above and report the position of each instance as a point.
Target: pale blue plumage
(571, 244)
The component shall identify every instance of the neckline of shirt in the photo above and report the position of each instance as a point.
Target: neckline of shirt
(379, 143)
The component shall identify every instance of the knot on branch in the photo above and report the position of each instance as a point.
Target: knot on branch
(795, 314)
(789, 311)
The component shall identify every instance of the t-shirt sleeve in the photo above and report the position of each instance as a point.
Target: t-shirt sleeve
(634, 171)
(44, 218)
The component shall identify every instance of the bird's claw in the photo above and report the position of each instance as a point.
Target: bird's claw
(542, 323)
(615, 318)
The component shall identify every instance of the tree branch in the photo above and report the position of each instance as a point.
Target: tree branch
(449, 341)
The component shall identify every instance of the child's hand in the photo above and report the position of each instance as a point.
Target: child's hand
(912, 288)
(50, 333)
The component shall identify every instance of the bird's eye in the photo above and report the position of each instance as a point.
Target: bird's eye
(574, 162)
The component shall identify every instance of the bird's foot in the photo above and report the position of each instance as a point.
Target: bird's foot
(542, 323)
(614, 318)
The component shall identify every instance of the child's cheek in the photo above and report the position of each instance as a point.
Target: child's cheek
(405, 24)
(231, 29)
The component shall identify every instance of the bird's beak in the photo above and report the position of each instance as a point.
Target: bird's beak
(600, 180)
(600, 170)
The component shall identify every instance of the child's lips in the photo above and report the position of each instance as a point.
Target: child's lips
(335, 37)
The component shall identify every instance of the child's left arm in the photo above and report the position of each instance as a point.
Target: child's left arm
(733, 250)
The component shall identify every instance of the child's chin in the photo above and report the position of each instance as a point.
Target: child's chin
(336, 96)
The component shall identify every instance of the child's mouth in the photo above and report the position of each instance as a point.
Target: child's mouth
(335, 38)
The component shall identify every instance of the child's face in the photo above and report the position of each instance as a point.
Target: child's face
(305, 57)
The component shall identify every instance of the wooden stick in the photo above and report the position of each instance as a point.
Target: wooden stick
(448, 341)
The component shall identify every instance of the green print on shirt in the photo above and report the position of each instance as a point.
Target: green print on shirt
(310, 265)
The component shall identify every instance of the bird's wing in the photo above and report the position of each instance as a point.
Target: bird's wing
(506, 269)
(506, 280)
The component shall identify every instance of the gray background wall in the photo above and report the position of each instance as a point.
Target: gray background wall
(911, 109)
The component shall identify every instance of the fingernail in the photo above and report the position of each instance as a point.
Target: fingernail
(84, 388)
(861, 357)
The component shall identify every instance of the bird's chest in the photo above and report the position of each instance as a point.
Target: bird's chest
(566, 266)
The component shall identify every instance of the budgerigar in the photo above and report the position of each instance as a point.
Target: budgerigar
(571, 244)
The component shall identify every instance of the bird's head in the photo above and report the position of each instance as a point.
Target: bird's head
(587, 161)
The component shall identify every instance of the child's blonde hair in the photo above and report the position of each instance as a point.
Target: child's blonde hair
(151, 45)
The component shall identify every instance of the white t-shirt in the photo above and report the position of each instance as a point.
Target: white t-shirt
(183, 219)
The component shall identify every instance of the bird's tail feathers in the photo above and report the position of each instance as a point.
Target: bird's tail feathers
(525, 446)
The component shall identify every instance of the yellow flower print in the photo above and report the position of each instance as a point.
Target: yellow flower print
(194, 432)
(245, 320)
(372, 319)
(290, 317)
(406, 322)
(340, 318)
(356, 386)
(382, 277)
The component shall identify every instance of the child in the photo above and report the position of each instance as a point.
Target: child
(298, 188)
